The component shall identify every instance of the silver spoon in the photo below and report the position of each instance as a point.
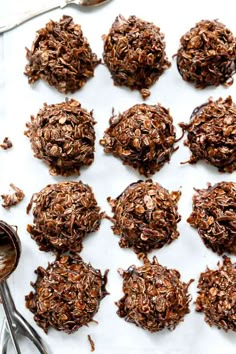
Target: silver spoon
(9, 255)
(14, 324)
(61, 3)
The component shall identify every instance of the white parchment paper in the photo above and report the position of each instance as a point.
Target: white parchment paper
(107, 175)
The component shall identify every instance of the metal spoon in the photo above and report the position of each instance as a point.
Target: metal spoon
(10, 249)
(61, 3)
(9, 255)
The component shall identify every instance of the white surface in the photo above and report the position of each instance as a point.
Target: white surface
(108, 176)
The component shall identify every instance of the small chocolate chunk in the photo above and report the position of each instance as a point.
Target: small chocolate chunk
(91, 342)
(6, 144)
(10, 200)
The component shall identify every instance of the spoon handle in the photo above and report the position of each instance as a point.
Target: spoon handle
(5, 336)
(3, 295)
(28, 15)
(25, 329)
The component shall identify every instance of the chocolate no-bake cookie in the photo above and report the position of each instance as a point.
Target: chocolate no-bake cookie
(217, 295)
(207, 54)
(61, 55)
(134, 52)
(214, 216)
(145, 215)
(64, 213)
(211, 134)
(63, 136)
(154, 297)
(142, 137)
(66, 294)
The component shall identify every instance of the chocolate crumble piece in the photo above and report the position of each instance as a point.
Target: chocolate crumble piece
(134, 52)
(66, 294)
(6, 144)
(63, 136)
(217, 295)
(214, 216)
(145, 215)
(62, 56)
(154, 297)
(10, 200)
(91, 342)
(64, 213)
(207, 54)
(211, 134)
(142, 137)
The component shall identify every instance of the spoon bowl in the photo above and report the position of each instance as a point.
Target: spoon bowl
(10, 250)
(87, 3)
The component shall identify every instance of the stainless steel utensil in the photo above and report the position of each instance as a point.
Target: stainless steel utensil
(14, 324)
(61, 3)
